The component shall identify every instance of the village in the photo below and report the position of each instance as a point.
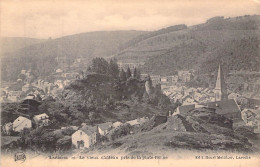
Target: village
(232, 106)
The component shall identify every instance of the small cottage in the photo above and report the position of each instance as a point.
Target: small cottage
(84, 137)
(41, 120)
(104, 128)
(137, 121)
(21, 123)
(117, 124)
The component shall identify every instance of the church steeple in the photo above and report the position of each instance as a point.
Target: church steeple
(220, 89)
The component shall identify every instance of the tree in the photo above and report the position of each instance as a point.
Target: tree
(120, 132)
(22, 76)
(92, 116)
(128, 73)
(138, 74)
(146, 98)
(100, 65)
(89, 69)
(135, 73)
(113, 68)
(122, 75)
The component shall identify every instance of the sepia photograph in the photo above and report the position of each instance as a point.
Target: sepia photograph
(130, 83)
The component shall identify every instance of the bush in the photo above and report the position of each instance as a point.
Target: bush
(120, 131)
(68, 131)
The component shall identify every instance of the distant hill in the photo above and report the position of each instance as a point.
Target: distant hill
(12, 44)
(232, 41)
(41, 56)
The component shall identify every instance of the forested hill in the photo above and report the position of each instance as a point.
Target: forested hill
(234, 42)
(41, 56)
(12, 44)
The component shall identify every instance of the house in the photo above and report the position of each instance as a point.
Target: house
(137, 121)
(233, 96)
(7, 128)
(184, 76)
(117, 124)
(21, 123)
(70, 75)
(143, 76)
(132, 66)
(41, 120)
(27, 87)
(70, 127)
(59, 71)
(164, 79)
(249, 117)
(156, 79)
(23, 72)
(104, 128)
(59, 83)
(14, 95)
(174, 78)
(84, 137)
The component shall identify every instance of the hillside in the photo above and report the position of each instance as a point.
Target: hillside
(203, 131)
(232, 41)
(41, 57)
(11, 44)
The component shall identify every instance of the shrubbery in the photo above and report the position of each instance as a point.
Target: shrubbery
(120, 131)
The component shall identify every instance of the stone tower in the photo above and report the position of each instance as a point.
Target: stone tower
(220, 89)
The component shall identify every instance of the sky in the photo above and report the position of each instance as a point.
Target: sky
(57, 18)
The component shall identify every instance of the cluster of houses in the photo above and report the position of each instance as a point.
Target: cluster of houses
(173, 80)
(87, 135)
(187, 95)
(84, 136)
(190, 98)
(221, 103)
(131, 66)
(37, 87)
(22, 122)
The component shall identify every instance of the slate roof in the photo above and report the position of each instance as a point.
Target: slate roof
(105, 126)
(89, 130)
(224, 107)
(221, 107)
(19, 121)
(38, 117)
